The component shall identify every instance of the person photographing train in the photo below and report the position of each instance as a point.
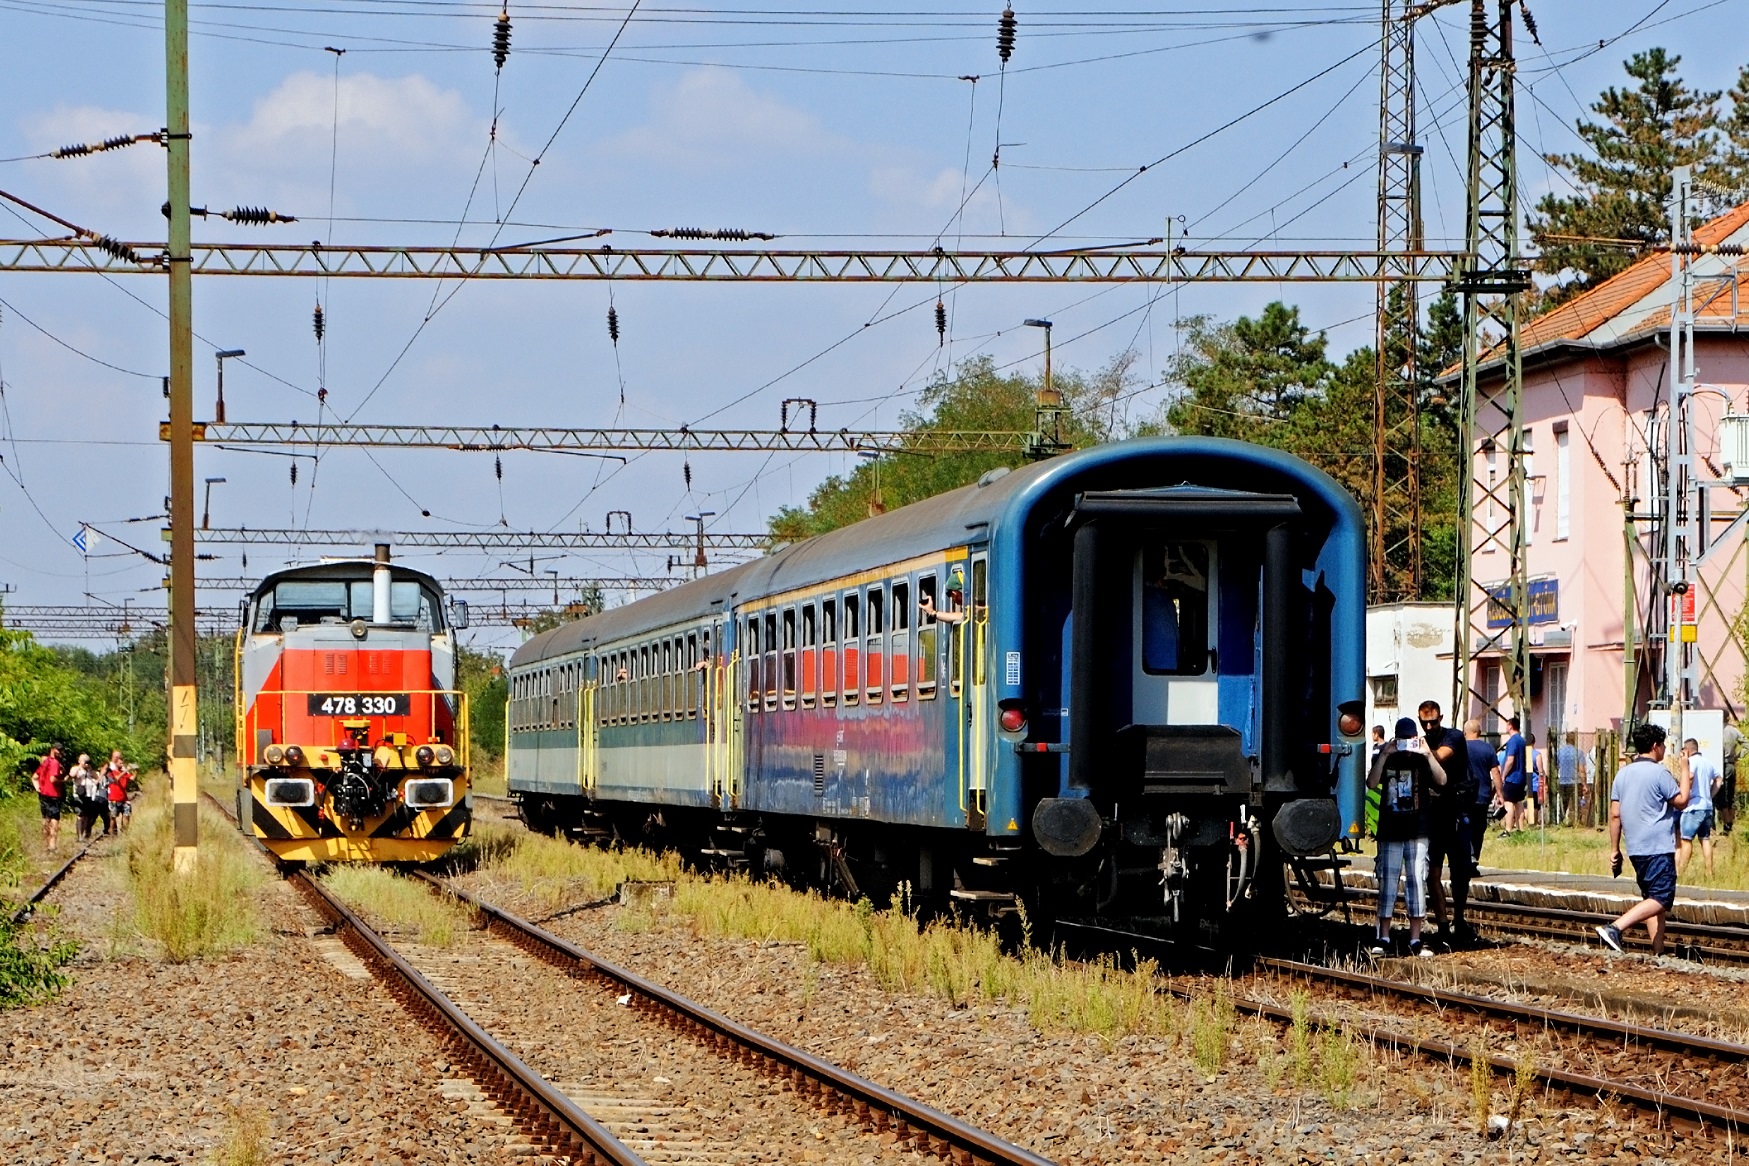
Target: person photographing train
(1406, 773)
(1644, 806)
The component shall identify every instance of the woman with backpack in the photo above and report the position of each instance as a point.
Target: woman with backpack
(1405, 773)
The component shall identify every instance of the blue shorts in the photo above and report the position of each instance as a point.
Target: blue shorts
(1657, 876)
(1697, 823)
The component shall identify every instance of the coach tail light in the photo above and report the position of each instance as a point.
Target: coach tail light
(424, 755)
(429, 793)
(1012, 720)
(294, 756)
(1349, 721)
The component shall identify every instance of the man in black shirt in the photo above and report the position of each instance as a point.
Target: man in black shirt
(1448, 825)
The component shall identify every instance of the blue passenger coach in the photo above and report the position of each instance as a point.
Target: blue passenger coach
(1125, 681)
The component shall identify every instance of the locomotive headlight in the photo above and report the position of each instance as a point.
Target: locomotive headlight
(293, 755)
(445, 755)
(273, 755)
(424, 755)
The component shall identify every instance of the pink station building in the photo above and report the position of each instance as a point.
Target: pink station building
(1596, 387)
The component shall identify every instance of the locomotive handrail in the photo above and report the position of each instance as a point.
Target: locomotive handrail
(457, 698)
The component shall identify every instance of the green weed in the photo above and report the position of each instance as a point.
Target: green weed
(246, 1138)
(397, 904)
(1299, 1039)
(204, 912)
(1339, 1058)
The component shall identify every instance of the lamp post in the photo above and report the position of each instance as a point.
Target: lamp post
(699, 562)
(206, 510)
(554, 572)
(1049, 405)
(221, 356)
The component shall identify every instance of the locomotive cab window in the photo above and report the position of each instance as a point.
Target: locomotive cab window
(1175, 608)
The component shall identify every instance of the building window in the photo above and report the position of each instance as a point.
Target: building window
(1384, 691)
(1563, 482)
(1528, 502)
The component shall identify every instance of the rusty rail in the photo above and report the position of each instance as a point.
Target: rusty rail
(853, 1096)
(546, 1115)
(28, 907)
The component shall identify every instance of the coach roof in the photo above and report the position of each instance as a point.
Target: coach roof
(933, 524)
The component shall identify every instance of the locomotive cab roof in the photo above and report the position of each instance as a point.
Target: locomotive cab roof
(339, 591)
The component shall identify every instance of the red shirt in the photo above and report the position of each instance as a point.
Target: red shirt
(48, 777)
(118, 783)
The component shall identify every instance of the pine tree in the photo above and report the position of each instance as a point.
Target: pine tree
(1622, 186)
(1730, 177)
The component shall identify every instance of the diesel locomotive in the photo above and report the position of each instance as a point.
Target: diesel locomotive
(351, 735)
(1121, 684)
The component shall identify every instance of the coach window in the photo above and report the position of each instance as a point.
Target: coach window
(667, 682)
(682, 680)
(641, 685)
(928, 638)
(850, 635)
(694, 677)
(622, 677)
(828, 652)
(810, 665)
(772, 679)
(874, 643)
(900, 680)
(789, 657)
(750, 653)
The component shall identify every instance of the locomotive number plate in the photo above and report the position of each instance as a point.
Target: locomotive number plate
(359, 704)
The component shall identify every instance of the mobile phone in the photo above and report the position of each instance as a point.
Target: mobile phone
(1615, 865)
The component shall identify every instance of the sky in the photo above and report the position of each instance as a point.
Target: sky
(829, 127)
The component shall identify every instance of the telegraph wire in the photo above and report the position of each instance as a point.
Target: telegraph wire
(527, 178)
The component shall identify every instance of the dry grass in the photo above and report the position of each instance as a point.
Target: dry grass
(1581, 850)
(962, 965)
(486, 775)
(246, 1138)
(398, 905)
(553, 873)
(206, 912)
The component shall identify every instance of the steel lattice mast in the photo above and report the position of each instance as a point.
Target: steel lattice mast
(1395, 537)
(1492, 619)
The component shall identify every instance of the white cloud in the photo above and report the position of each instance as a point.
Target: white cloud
(712, 119)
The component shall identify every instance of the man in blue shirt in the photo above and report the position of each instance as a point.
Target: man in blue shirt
(1697, 816)
(1514, 777)
(1485, 771)
(1643, 805)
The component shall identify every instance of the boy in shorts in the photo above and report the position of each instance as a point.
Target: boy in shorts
(1697, 816)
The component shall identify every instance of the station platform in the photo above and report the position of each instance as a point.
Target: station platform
(1576, 892)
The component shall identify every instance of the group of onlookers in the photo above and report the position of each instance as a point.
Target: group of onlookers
(1439, 788)
(97, 795)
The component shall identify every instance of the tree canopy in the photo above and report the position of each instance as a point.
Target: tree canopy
(977, 397)
(1620, 187)
(45, 700)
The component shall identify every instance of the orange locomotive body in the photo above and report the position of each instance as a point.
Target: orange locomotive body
(351, 734)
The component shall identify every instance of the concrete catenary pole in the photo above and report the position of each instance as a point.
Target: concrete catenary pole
(184, 705)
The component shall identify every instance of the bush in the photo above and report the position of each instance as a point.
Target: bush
(208, 911)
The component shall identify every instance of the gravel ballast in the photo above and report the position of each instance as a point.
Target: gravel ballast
(146, 1061)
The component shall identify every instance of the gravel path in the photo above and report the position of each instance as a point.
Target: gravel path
(145, 1061)
(1080, 1099)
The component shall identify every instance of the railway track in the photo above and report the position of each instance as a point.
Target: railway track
(899, 1121)
(29, 906)
(1706, 942)
(1594, 1056)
